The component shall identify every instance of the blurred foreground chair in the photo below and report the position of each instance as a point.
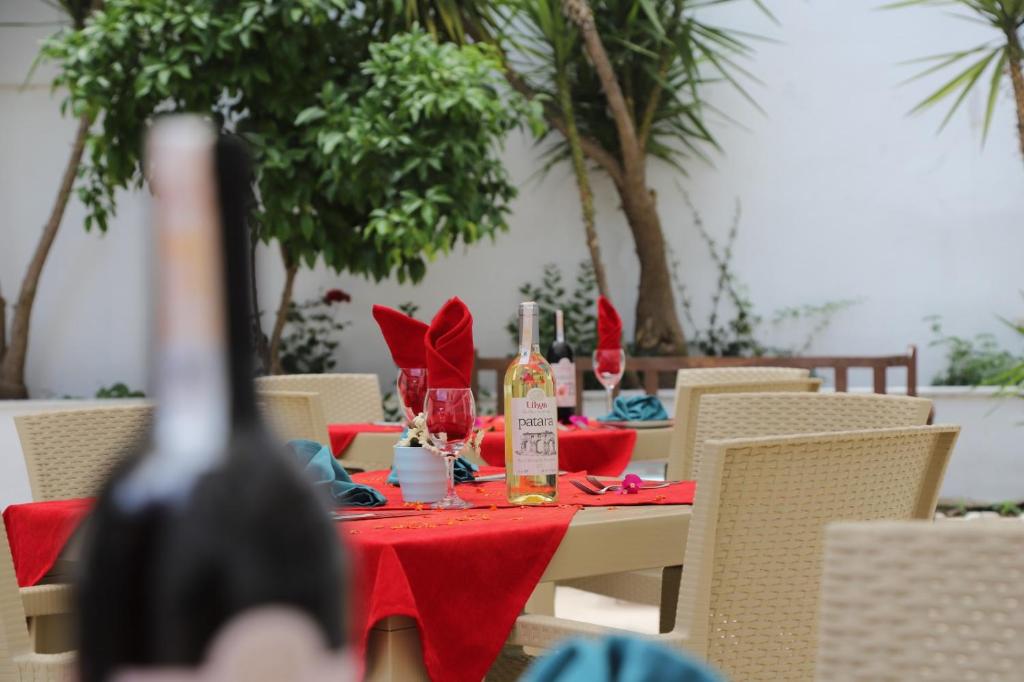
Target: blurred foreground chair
(19, 661)
(750, 415)
(346, 398)
(70, 453)
(748, 597)
(294, 415)
(919, 601)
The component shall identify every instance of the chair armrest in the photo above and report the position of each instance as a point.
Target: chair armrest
(47, 600)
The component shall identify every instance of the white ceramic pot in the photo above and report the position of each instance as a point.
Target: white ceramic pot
(421, 474)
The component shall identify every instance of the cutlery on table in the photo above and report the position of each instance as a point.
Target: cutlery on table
(366, 516)
(602, 488)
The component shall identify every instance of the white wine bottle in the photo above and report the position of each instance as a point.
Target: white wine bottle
(531, 419)
(210, 520)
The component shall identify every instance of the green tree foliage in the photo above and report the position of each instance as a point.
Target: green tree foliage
(374, 151)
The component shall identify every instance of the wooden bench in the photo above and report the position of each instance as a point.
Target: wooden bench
(653, 370)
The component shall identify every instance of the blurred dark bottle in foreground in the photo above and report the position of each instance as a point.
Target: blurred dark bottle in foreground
(211, 519)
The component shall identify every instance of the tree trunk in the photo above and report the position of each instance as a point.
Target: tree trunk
(657, 329)
(291, 269)
(579, 165)
(12, 368)
(1017, 78)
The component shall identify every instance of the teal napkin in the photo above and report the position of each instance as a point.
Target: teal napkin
(617, 659)
(464, 471)
(326, 471)
(635, 408)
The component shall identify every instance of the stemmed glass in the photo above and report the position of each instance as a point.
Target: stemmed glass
(450, 414)
(609, 365)
(412, 391)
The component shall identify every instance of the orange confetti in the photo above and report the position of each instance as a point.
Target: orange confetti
(494, 507)
(353, 532)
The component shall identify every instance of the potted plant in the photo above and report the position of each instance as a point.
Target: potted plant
(418, 466)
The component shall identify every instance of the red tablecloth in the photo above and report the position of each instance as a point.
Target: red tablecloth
(491, 494)
(464, 576)
(602, 451)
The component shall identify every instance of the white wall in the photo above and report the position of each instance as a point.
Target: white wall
(843, 196)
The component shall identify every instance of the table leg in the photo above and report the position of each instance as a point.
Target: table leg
(670, 577)
(394, 653)
(542, 601)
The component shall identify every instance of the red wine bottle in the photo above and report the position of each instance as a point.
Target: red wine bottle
(211, 518)
(563, 365)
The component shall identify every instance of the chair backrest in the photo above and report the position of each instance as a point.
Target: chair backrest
(70, 453)
(14, 639)
(346, 398)
(748, 599)
(694, 384)
(922, 601)
(294, 415)
(752, 415)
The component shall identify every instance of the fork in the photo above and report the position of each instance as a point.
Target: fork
(608, 488)
(598, 483)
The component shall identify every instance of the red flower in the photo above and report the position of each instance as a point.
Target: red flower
(336, 296)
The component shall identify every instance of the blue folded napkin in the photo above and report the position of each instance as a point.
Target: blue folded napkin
(635, 408)
(617, 659)
(464, 471)
(326, 471)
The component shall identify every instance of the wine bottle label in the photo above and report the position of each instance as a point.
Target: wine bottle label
(534, 424)
(565, 382)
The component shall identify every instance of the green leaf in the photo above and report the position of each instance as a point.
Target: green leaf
(309, 115)
(993, 92)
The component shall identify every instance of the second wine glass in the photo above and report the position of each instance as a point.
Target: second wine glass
(451, 414)
(609, 365)
(412, 391)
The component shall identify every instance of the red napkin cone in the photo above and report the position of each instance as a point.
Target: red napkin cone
(405, 336)
(609, 326)
(449, 346)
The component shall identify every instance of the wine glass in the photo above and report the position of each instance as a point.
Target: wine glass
(412, 391)
(609, 365)
(451, 414)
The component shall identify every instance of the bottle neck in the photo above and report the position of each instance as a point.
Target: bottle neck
(529, 334)
(559, 327)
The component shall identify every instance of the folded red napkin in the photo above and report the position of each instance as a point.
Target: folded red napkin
(449, 346)
(609, 326)
(405, 336)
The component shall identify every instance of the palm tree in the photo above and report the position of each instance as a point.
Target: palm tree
(14, 348)
(986, 63)
(620, 83)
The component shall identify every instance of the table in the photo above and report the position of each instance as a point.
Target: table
(595, 541)
(638, 534)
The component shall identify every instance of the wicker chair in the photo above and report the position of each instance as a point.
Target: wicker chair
(748, 600)
(694, 384)
(294, 415)
(750, 415)
(69, 453)
(18, 661)
(920, 601)
(346, 398)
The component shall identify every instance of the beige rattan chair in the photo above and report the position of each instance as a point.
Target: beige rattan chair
(69, 453)
(921, 601)
(751, 415)
(346, 398)
(693, 384)
(18, 661)
(294, 415)
(748, 600)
